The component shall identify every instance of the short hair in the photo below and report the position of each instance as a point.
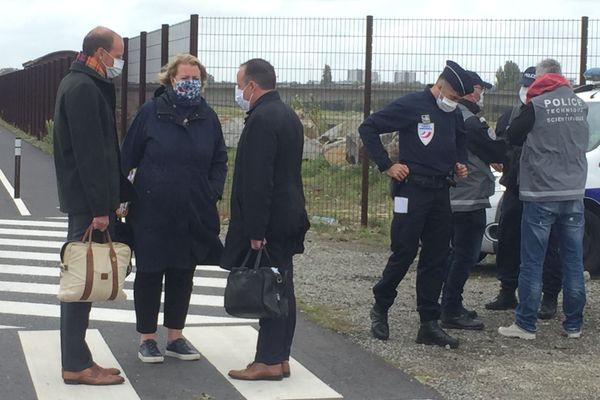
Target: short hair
(97, 38)
(547, 66)
(261, 72)
(169, 70)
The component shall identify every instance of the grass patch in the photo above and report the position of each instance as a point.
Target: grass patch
(44, 145)
(327, 316)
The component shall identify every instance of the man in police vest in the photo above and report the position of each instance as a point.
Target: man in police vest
(508, 256)
(469, 199)
(553, 129)
(431, 147)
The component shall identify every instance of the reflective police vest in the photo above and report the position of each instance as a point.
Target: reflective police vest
(553, 162)
(473, 192)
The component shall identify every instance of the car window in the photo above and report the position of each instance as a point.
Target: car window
(594, 123)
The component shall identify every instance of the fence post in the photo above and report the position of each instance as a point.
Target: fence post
(142, 85)
(164, 45)
(364, 204)
(583, 53)
(194, 35)
(124, 88)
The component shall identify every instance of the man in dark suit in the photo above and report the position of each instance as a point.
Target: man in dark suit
(267, 205)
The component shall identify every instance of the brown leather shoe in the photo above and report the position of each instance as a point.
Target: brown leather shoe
(258, 372)
(107, 371)
(91, 376)
(285, 367)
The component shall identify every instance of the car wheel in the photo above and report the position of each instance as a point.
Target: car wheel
(591, 239)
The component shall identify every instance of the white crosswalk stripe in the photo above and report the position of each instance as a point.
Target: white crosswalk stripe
(29, 282)
(29, 260)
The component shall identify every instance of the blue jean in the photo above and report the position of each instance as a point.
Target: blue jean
(538, 218)
(468, 229)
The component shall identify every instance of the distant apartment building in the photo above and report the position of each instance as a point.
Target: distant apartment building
(358, 76)
(405, 76)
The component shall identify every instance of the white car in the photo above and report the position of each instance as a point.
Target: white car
(589, 93)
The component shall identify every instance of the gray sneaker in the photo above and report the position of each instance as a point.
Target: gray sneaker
(573, 334)
(149, 352)
(514, 331)
(181, 349)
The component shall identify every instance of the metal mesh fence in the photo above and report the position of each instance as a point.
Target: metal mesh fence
(593, 58)
(321, 71)
(314, 60)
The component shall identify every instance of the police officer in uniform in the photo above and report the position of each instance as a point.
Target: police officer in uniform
(469, 199)
(508, 257)
(431, 147)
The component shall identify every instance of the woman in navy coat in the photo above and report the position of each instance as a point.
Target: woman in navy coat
(176, 146)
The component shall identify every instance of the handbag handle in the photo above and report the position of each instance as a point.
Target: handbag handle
(89, 265)
(258, 257)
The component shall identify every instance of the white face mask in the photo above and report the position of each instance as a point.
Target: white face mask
(480, 101)
(116, 69)
(445, 104)
(239, 98)
(523, 94)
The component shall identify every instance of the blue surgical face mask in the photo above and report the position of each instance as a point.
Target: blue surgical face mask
(187, 89)
(239, 98)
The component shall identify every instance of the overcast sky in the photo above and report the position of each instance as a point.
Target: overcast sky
(32, 28)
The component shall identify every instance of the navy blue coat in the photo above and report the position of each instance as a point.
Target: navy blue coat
(181, 162)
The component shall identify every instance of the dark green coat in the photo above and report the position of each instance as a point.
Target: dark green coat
(86, 148)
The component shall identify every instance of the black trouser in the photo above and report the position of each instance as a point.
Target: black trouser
(508, 255)
(147, 289)
(275, 335)
(429, 218)
(75, 317)
(468, 230)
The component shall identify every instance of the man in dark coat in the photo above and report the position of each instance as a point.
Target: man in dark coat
(86, 156)
(267, 205)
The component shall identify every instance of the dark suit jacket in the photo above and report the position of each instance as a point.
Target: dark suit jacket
(267, 199)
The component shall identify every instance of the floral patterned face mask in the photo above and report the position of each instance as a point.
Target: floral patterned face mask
(188, 89)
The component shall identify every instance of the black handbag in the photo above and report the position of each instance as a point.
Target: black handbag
(256, 292)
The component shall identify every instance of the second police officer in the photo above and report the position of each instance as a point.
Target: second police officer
(431, 147)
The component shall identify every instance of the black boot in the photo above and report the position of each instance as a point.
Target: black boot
(506, 300)
(379, 323)
(548, 307)
(462, 321)
(430, 333)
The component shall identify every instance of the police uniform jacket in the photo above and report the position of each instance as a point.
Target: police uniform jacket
(431, 141)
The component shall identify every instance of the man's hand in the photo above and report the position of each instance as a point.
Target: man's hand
(461, 170)
(398, 171)
(497, 167)
(100, 223)
(257, 244)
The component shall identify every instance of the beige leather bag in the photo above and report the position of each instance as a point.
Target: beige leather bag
(93, 271)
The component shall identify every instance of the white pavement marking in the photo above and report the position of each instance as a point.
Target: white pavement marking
(29, 270)
(54, 271)
(28, 232)
(29, 255)
(48, 288)
(46, 244)
(30, 222)
(42, 353)
(106, 314)
(11, 191)
(233, 347)
(10, 327)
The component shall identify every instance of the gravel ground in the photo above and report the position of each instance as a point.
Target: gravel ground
(338, 276)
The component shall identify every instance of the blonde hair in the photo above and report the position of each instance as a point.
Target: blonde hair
(169, 70)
